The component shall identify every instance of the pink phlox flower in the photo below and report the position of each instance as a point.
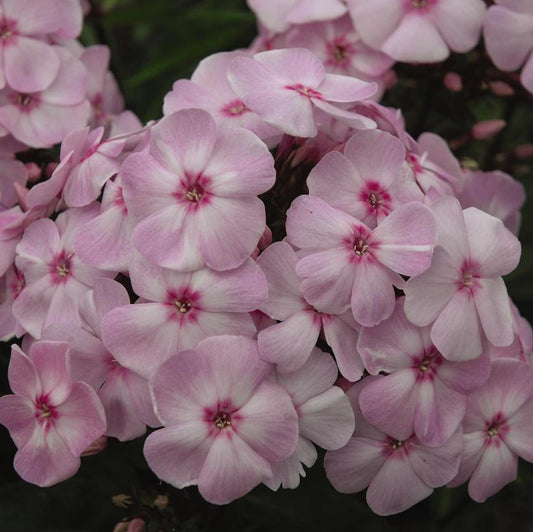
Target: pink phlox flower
(51, 419)
(43, 118)
(418, 31)
(325, 417)
(522, 346)
(288, 88)
(508, 32)
(278, 15)
(290, 343)
(462, 295)
(367, 180)
(338, 46)
(496, 193)
(194, 192)
(11, 171)
(56, 278)
(397, 473)
(225, 420)
(346, 264)
(105, 241)
(497, 430)
(11, 285)
(123, 393)
(209, 89)
(102, 88)
(177, 310)
(423, 393)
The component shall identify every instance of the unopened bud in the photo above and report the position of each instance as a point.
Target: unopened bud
(34, 172)
(487, 129)
(453, 82)
(500, 88)
(50, 169)
(137, 525)
(525, 151)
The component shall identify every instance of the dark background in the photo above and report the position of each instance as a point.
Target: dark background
(153, 43)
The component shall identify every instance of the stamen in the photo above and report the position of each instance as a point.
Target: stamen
(419, 3)
(194, 195)
(468, 280)
(221, 420)
(183, 305)
(360, 248)
(396, 444)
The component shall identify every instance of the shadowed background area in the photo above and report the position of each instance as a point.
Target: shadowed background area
(153, 43)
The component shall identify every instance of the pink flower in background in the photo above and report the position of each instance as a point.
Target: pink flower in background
(496, 193)
(290, 343)
(367, 181)
(277, 15)
(195, 193)
(508, 32)
(397, 473)
(423, 393)
(286, 88)
(418, 31)
(225, 421)
(43, 118)
(123, 393)
(177, 310)
(325, 417)
(55, 277)
(51, 419)
(209, 89)
(497, 430)
(11, 285)
(346, 264)
(462, 294)
(11, 171)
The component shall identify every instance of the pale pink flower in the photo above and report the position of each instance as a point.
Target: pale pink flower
(194, 193)
(325, 417)
(290, 343)
(51, 419)
(497, 430)
(123, 393)
(41, 119)
(209, 89)
(177, 310)
(225, 421)
(397, 473)
(462, 295)
(496, 193)
(56, 279)
(418, 31)
(423, 393)
(368, 180)
(11, 285)
(347, 265)
(278, 15)
(287, 88)
(508, 32)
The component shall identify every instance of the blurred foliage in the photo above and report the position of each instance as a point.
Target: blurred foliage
(154, 43)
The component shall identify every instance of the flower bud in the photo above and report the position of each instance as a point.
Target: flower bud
(453, 82)
(487, 129)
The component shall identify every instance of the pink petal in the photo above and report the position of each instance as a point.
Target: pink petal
(327, 419)
(473, 448)
(289, 344)
(23, 377)
(18, 416)
(465, 377)
(176, 454)
(520, 436)
(337, 88)
(273, 437)
(231, 470)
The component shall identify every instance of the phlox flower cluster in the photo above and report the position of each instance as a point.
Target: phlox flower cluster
(148, 295)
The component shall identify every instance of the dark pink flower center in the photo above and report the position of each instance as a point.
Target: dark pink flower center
(45, 413)
(221, 420)
(308, 92)
(419, 4)
(340, 52)
(8, 28)
(61, 267)
(414, 162)
(183, 305)
(194, 194)
(24, 102)
(469, 277)
(376, 198)
(396, 444)
(235, 108)
(360, 247)
(497, 428)
(427, 364)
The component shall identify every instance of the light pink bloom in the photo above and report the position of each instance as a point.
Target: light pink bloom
(496, 193)
(290, 343)
(209, 89)
(277, 15)
(418, 31)
(463, 295)
(56, 279)
(11, 285)
(195, 191)
(346, 264)
(177, 310)
(368, 180)
(423, 393)
(497, 430)
(225, 421)
(287, 88)
(325, 417)
(105, 241)
(41, 119)
(124, 394)
(397, 473)
(51, 419)
(508, 32)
